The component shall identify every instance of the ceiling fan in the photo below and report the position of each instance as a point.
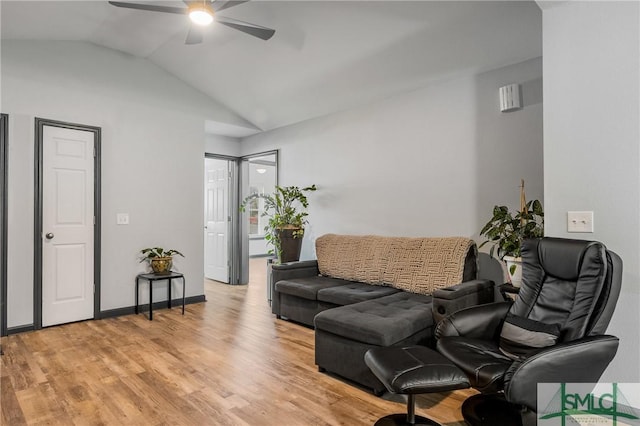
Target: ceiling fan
(201, 13)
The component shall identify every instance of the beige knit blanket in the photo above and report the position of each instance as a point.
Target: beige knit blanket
(417, 265)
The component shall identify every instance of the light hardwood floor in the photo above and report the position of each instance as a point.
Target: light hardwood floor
(225, 362)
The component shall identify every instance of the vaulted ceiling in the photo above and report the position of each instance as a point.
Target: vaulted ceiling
(325, 56)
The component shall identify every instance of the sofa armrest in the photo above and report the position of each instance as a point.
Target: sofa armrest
(579, 361)
(289, 271)
(480, 322)
(469, 293)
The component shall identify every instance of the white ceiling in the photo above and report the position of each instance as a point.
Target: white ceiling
(325, 56)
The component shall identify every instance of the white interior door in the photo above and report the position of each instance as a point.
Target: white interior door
(67, 225)
(216, 218)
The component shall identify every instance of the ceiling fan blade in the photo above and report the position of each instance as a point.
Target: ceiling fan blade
(219, 5)
(151, 7)
(194, 36)
(251, 29)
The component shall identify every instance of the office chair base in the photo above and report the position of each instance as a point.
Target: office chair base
(490, 410)
(401, 420)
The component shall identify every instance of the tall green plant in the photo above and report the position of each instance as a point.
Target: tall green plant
(285, 209)
(506, 230)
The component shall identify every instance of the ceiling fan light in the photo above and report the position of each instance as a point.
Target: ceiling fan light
(201, 16)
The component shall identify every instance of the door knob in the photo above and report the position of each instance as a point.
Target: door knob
(49, 236)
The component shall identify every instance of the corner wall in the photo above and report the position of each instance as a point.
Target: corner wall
(430, 162)
(152, 159)
(592, 144)
(222, 145)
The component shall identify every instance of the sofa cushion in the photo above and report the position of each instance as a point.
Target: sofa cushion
(307, 288)
(381, 322)
(418, 265)
(353, 293)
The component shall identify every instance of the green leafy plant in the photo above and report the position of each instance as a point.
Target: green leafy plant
(286, 209)
(507, 230)
(154, 252)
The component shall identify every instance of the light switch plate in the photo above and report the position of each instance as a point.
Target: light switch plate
(122, 218)
(580, 222)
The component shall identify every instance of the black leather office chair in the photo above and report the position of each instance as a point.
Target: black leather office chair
(569, 290)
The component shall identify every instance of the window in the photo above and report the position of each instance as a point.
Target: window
(254, 213)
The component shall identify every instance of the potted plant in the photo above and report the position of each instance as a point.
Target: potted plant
(160, 259)
(507, 230)
(286, 211)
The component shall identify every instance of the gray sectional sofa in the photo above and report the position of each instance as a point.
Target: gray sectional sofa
(372, 291)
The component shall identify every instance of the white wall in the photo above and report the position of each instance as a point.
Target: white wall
(222, 145)
(152, 151)
(259, 247)
(430, 162)
(592, 143)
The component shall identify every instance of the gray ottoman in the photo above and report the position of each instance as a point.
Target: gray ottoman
(343, 335)
(413, 370)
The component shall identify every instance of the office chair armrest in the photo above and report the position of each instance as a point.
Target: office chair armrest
(481, 321)
(579, 361)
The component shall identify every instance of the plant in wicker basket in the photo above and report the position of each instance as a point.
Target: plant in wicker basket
(160, 259)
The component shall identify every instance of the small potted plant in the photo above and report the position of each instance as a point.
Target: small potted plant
(160, 259)
(285, 209)
(507, 230)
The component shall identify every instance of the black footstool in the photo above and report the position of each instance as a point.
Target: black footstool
(413, 370)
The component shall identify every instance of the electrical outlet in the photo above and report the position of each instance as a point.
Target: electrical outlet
(122, 218)
(580, 222)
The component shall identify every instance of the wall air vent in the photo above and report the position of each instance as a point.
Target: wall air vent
(510, 98)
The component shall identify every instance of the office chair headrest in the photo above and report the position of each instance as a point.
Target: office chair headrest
(563, 258)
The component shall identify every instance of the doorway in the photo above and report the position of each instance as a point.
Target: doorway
(231, 237)
(259, 175)
(67, 223)
(217, 218)
(262, 179)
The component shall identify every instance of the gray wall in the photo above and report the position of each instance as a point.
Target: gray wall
(429, 162)
(152, 159)
(222, 145)
(592, 143)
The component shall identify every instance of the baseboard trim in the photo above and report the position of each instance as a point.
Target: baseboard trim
(111, 313)
(20, 329)
(129, 310)
(118, 312)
